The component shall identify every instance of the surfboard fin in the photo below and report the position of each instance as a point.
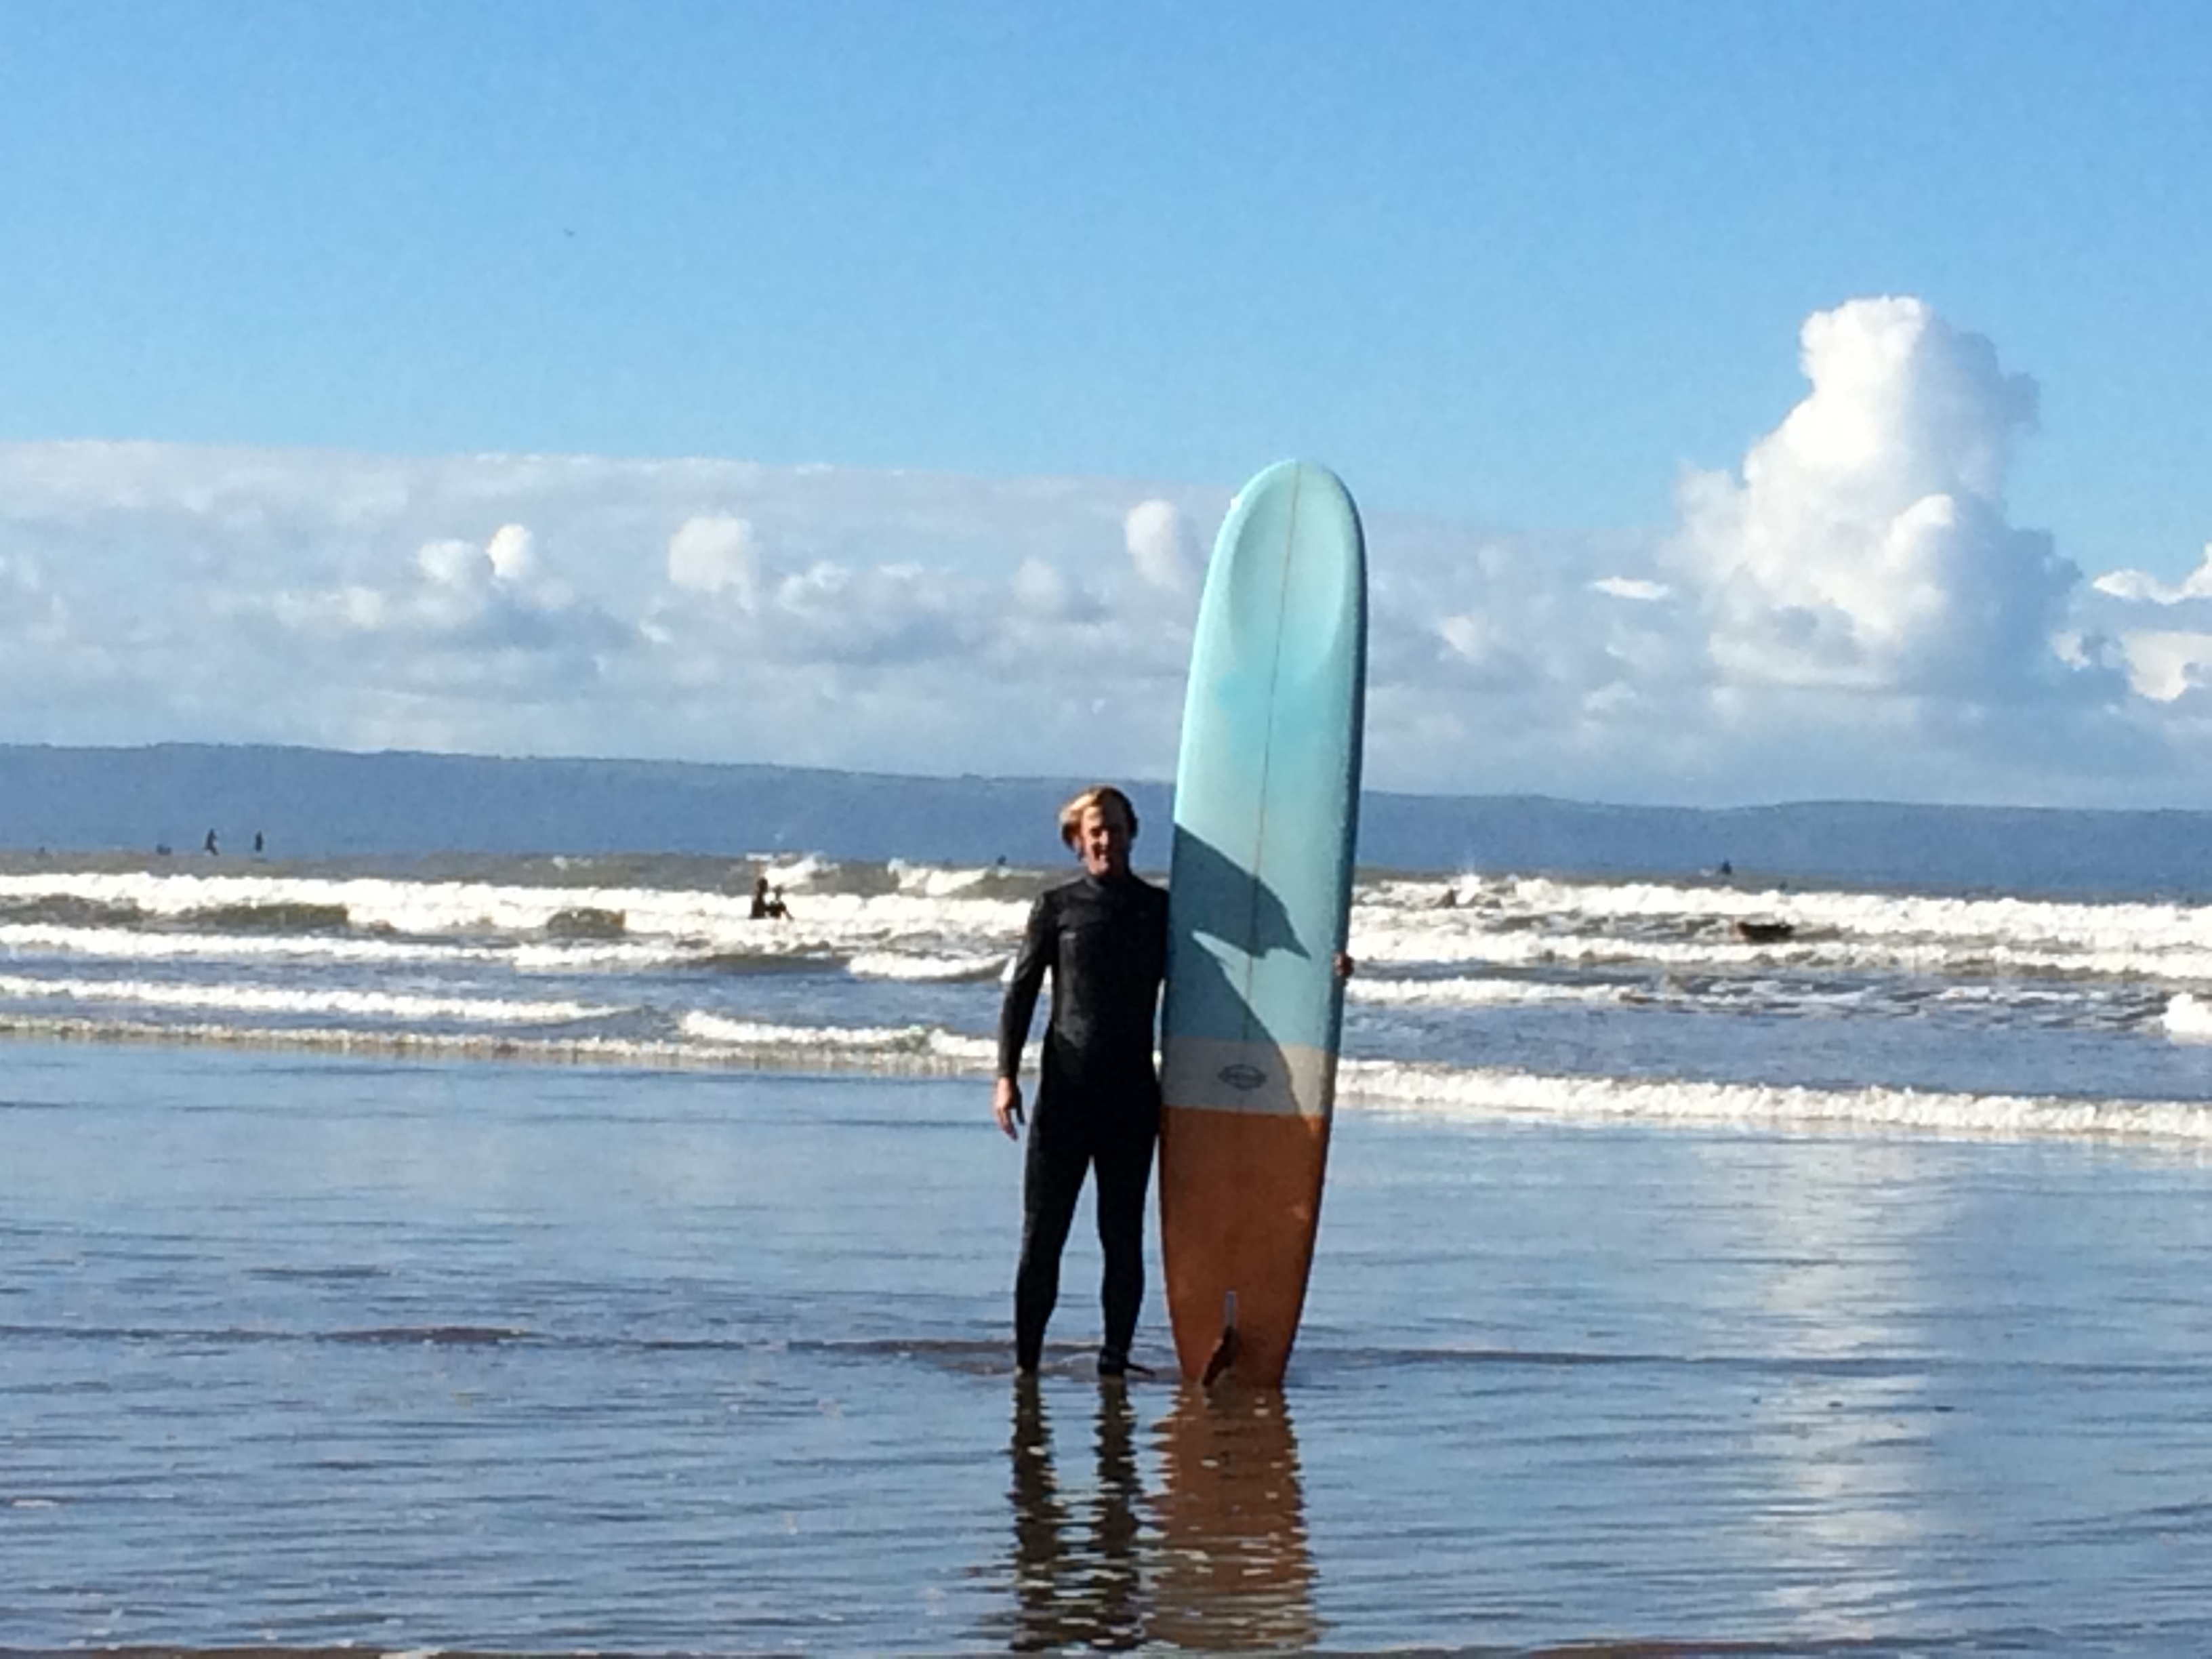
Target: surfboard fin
(1224, 1351)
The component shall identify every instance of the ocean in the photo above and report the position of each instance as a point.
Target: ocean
(530, 1252)
(1769, 1003)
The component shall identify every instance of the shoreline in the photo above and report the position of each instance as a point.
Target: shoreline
(1433, 1094)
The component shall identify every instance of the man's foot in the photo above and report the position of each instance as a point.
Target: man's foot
(1112, 1362)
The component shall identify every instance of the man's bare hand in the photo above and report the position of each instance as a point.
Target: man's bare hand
(1006, 1107)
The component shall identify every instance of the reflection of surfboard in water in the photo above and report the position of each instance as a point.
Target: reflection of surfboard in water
(1237, 1570)
(1266, 809)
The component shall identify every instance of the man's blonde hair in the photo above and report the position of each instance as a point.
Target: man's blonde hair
(1103, 796)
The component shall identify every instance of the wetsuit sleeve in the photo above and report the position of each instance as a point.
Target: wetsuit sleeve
(1023, 985)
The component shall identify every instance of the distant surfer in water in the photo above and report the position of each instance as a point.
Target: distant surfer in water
(1103, 937)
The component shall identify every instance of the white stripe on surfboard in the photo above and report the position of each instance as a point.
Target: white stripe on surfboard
(1283, 1080)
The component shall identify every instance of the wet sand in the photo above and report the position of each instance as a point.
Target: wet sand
(312, 1352)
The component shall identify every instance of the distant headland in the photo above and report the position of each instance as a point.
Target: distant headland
(320, 803)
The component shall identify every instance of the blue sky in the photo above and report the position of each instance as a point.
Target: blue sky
(1515, 271)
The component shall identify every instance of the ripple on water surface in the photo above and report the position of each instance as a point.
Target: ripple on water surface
(304, 1353)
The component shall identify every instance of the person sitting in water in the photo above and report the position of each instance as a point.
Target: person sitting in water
(777, 909)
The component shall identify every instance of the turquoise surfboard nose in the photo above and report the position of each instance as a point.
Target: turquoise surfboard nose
(1266, 786)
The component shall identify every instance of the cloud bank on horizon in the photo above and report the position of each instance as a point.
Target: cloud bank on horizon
(1847, 613)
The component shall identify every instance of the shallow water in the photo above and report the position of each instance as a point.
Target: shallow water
(308, 1350)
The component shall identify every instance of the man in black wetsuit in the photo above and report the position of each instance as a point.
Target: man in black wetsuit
(1104, 939)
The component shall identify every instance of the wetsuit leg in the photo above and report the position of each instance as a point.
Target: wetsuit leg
(1052, 1180)
(1125, 1170)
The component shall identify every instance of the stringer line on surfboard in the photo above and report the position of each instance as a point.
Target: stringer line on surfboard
(1267, 770)
(1224, 1352)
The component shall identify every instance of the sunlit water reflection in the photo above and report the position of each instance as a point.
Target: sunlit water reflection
(309, 1353)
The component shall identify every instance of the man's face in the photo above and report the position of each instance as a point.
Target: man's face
(1102, 841)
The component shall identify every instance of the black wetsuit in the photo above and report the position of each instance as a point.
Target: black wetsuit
(1105, 940)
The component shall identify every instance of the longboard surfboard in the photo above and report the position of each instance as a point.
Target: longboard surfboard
(1259, 900)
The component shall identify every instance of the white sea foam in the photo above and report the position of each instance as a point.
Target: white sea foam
(136, 945)
(653, 919)
(895, 964)
(597, 956)
(708, 1042)
(842, 1045)
(1464, 993)
(264, 1000)
(1530, 920)
(2093, 974)
(1449, 1093)
(949, 912)
(1440, 1091)
(796, 873)
(943, 881)
(2187, 1019)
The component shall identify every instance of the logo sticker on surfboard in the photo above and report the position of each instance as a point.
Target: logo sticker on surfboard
(1242, 1078)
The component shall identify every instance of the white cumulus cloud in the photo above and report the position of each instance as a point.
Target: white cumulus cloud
(2163, 630)
(452, 563)
(1041, 591)
(2165, 664)
(715, 553)
(1639, 588)
(1161, 546)
(2141, 585)
(513, 554)
(1865, 545)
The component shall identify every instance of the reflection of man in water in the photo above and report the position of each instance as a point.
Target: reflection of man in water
(1073, 1591)
(1224, 1566)
(1104, 937)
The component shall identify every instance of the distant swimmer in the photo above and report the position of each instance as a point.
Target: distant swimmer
(1726, 869)
(211, 848)
(760, 910)
(777, 909)
(1764, 932)
(257, 840)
